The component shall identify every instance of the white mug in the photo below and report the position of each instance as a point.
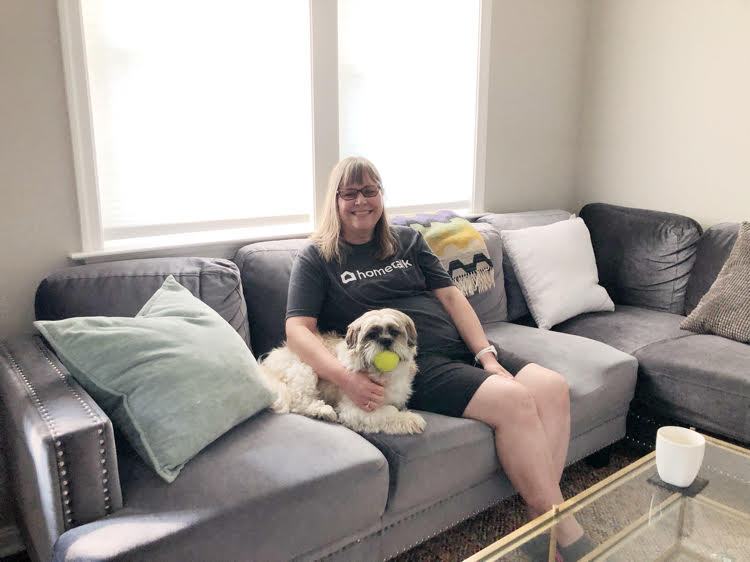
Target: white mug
(679, 454)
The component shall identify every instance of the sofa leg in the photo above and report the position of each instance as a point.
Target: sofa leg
(600, 459)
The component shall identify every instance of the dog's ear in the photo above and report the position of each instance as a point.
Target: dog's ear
(352, 333)
(411, 331)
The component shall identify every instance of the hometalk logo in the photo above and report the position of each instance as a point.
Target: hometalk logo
(348, 276)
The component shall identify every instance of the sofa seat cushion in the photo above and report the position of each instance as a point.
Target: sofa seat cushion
(601, 378)
(272, 488)
(628, 328)
(701, 379)
(451, 455)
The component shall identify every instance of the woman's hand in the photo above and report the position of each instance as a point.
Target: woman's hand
(364, 392)
(496, 369)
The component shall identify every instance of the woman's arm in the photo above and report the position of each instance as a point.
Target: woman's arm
(304, 340)
(468, 326)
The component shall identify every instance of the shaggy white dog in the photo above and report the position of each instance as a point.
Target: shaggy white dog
(301, 391)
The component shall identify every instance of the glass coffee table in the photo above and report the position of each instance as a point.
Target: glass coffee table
(633, 516)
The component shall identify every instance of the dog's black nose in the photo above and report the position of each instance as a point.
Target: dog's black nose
(385, 342)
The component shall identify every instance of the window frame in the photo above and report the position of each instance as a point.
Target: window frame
(325, 140)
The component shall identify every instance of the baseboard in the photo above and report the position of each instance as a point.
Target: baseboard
(10, 540)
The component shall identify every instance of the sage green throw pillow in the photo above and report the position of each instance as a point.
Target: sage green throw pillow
(172, 379)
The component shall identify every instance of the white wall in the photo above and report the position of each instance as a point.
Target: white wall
(39, 224)
(38, 209)
(666, 123)
(536, 76)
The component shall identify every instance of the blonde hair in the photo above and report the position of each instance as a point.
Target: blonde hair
(327, 237)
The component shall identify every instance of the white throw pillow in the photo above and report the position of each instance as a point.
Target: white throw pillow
(556, 268)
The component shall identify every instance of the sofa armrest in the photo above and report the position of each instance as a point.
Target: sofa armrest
(59, 443)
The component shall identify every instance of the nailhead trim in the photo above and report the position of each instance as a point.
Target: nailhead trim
(62, 470)
(94, 417)
(52, 427)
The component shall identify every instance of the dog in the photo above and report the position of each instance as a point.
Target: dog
(301, 391)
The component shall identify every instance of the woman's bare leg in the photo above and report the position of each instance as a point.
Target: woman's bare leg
(522, 446)
(552, 398)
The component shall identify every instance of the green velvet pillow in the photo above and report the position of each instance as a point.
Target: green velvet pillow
(172, 379)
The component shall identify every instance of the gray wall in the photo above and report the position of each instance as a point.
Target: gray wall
(39, 225)
(667, 120)
(38, 208)
(535, 88)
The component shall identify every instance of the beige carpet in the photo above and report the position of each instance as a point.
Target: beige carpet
(483, 529)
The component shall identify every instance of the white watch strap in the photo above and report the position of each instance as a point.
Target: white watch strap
(488, 349)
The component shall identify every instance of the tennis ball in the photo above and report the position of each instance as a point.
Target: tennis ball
(386, 360)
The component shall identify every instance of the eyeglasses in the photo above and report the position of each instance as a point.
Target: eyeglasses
(350, 193)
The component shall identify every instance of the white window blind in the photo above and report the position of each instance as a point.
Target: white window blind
(408, 95)
(201, 114)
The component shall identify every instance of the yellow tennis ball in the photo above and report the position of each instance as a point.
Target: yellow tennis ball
(386, 360)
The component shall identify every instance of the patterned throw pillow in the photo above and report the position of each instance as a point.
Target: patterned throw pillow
(725, 309)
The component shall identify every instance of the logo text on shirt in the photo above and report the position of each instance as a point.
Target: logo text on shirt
(348, 276)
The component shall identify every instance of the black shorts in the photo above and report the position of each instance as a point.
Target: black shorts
(445, 385)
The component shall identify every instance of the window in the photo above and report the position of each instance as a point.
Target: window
(408, 95)
(194, 121)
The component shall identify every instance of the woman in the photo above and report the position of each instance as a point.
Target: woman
(356, 262)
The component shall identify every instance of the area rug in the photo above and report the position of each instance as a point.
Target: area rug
(483, 529)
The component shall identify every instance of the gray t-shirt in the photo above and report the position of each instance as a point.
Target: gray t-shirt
(336, 294)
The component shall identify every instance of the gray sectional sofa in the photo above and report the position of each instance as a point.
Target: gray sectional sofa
(281, 487)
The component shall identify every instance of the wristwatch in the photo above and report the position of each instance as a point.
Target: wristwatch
(488, 349)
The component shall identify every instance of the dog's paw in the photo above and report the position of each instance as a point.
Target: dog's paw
(404, 423)
(413, 422)
(321, 410)
(327, 412)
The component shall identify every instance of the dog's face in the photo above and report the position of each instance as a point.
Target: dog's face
(385, 329)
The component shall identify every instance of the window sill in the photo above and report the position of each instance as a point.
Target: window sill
(221, 244)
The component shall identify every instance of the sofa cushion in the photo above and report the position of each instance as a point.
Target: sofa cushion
(555, 266)
(271, 489)
(601, 378)
(121, 288)
(451, 455)
(173, 379)
(644, 257)
(725, 309)
(711, 252)
(516, 304)
(265, 268)
(702, 380)
(628, 328)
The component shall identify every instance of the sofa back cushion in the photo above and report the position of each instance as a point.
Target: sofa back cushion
(121, 288)
(644, 257)
(712, 251)
(265, 268)
(516, 304)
